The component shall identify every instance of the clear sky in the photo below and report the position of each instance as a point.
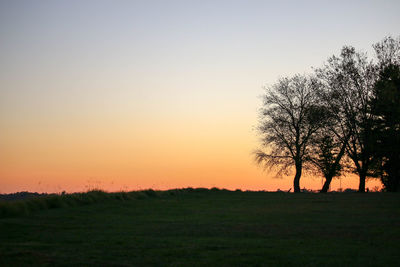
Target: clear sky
(161, 94)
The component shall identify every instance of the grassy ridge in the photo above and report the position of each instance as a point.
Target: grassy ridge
(209, 227)
(27, 206)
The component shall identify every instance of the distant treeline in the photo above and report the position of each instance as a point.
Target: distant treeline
(344, 117)
(21, 195)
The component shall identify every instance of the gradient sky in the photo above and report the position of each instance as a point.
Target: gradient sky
(161, 94)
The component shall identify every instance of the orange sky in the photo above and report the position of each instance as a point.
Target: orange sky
(126, 95)
(152, 154)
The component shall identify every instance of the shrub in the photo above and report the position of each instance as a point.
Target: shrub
(150, 193)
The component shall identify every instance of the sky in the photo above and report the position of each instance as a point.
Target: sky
(129, 95)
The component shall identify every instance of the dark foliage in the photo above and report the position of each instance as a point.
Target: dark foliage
(349, 79)
(348, 113)
(386, 127)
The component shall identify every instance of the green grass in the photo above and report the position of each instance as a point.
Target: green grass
(51, 201)
(208, 227)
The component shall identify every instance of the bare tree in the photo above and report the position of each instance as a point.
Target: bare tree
(289, 118)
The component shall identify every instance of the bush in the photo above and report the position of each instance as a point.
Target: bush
(150, 193)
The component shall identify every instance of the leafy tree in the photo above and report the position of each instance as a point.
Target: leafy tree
(387, 52)
(349, 80)
(386, 128)
(327, 154)
(348, 111)
(330, 141)
(289, 118)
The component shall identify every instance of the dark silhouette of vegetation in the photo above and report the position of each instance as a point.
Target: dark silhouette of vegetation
(386, 132)
(21, 195)
(327, 154)
(25, 203)
(348, 112)
(349, 80)
(329, 143)
(289, 118)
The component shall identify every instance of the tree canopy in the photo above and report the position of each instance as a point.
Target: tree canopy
(289, 118)
(347, 111)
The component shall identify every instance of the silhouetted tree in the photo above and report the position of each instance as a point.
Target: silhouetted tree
(289, 118)
(385, 107)
(348, 112)
(326, 156)
(330, 141)
(349, 79)
(385, 110)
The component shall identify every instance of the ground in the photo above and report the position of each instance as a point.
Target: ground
(211, 228)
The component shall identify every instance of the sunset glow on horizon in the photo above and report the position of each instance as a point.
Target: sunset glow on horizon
(130, 95)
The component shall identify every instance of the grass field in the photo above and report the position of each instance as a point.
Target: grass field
(210, 227)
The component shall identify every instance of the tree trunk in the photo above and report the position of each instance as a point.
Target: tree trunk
(327, 183)
(361, 187)
(296, 181)
(392, 180)
(396, 178)
(332, 171)
(393, 172)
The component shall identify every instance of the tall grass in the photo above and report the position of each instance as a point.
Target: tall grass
(27, 206)
(52, 201)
